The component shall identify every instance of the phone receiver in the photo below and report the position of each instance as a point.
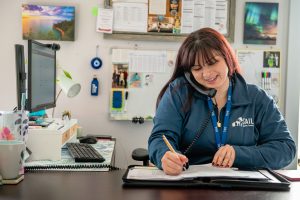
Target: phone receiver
(198, 87)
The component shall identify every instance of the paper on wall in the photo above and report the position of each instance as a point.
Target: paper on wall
(132, 17)
(148, 61)
(104, 20)
(157, 7)
(120, 56)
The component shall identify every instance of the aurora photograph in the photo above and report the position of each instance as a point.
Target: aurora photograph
(48, 22)
(260, 24)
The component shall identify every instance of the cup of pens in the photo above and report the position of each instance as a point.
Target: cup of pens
(13, 125)
(13, 135)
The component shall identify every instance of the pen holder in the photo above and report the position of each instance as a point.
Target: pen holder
(13, 125)
(13, 132)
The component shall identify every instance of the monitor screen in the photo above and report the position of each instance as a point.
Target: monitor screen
(41, 76)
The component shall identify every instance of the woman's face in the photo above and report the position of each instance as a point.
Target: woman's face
(213, 74)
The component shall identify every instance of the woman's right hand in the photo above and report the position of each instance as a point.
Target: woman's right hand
(173, 163)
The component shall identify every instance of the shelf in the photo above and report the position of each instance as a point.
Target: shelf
(169, 37)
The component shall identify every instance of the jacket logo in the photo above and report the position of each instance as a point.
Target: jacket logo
(243, 122)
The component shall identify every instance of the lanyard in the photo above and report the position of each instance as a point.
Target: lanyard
(220, 139)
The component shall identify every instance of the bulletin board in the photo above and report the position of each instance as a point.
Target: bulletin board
(173, 21)
(262, 68)
(137, 78)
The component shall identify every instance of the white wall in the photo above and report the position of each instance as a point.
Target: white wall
(92, 112)
(293, 72)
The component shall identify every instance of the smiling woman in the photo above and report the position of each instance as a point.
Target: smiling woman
(246, 128)
(213, 74)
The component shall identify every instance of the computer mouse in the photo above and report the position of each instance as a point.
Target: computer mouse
(88, 140)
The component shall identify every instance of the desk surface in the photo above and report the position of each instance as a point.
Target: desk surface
(108, 186)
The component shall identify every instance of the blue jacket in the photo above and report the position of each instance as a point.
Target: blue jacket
(257, 130)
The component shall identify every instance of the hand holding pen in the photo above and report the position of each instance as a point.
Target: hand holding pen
(173, 163)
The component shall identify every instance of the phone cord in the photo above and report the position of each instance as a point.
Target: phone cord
(201, 130)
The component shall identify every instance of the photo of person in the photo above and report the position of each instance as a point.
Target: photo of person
(120, 76)
(272, 59)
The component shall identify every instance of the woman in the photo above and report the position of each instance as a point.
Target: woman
(240, 126)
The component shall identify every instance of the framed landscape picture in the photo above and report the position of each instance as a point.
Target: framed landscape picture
(260, 25)
(48, 22)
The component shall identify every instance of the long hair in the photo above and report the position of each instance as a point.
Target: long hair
(203, 45)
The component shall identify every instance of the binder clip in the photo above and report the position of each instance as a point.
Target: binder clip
(135, 120)
(139, 120)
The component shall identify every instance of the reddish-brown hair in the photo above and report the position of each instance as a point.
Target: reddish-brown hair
(203, 45)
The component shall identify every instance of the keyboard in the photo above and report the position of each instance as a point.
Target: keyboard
(83, 152)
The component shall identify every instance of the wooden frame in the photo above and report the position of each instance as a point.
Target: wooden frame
(169, 37)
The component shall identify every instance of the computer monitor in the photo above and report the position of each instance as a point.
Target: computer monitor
(20, 74)
(41, 76)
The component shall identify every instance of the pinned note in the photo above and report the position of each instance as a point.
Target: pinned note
(95, 11)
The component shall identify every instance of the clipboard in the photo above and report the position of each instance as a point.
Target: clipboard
(274, 182)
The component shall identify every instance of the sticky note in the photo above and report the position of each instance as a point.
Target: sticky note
(95, 11)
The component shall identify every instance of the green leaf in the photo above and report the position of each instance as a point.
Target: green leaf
(67, 74)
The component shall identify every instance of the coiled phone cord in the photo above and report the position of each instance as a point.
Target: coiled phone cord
(201, 130)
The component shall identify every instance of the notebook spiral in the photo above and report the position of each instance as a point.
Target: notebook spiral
(93, 167)
(67, 162)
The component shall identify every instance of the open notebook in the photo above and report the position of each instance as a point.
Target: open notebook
(204, 176)
(207, 170)
(67, 163)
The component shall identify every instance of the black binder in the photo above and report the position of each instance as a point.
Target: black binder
(218, 182)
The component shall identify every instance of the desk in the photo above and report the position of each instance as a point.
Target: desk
(108, 186)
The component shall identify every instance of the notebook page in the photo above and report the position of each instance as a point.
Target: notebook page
(149, 173)
(208, 170)
(194, 171)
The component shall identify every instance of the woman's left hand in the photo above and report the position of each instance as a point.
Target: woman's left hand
(224, 157)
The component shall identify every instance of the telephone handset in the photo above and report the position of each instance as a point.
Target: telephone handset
(207, 92)
(198, 87)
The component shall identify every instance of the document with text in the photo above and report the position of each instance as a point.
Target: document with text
(194, 171)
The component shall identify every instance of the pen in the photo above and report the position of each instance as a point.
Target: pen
(23, 102)
(60, 127)
(126, 98)
(168, 144)
(263, 80)
(185, 166)
(269, 80)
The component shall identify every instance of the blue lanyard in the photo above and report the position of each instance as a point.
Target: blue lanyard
(220, 141)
